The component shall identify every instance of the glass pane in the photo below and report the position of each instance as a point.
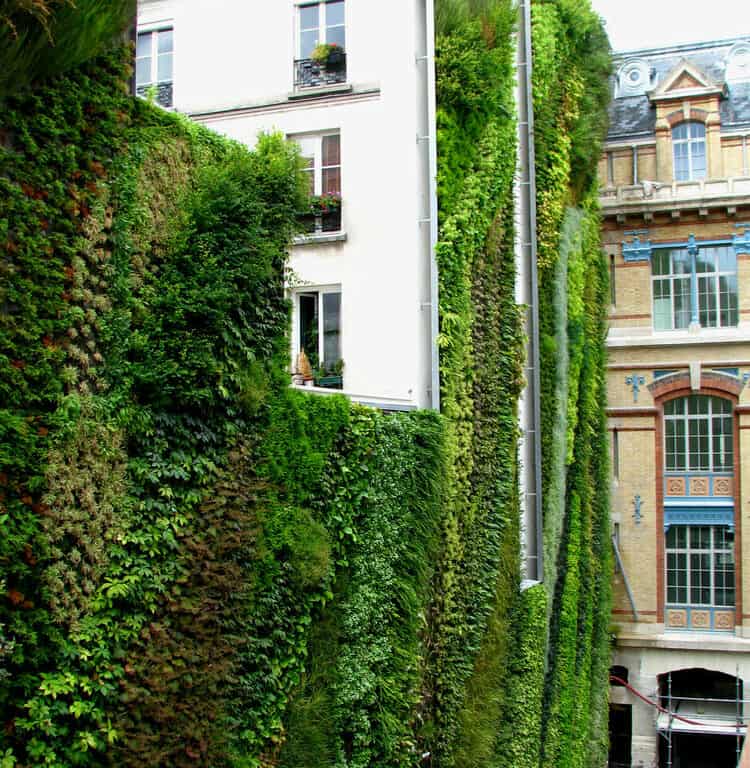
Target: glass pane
(336, 36)
(662, 305)
(700, 537)
(681, 261)
(700, 579)
(309, 17)
(697, 130)
(308, 41)
(308, 315)
(143, 71)
(680, 131)
(660, 262)
(331, 150)
(332, 181)
(682, 310)
(334, 14)
(310, 174)
(143, 47)
(707, 314)
(705, 260)
(165, 41)
(681, 169)
(165, 68)
(727, 259)
(331, 329)
(728, 303)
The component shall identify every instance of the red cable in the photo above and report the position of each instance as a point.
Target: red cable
(615, 679)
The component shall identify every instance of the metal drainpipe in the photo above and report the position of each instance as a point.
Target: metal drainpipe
(527, 292)
(432, 191)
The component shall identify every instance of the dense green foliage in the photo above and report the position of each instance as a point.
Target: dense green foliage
(177, 521)
(39, 38)
(480, 357)
(201, 567)
(571, 63)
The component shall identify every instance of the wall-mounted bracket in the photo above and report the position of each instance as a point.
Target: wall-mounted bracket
(636, 249)
(637, 514)
(636, 381)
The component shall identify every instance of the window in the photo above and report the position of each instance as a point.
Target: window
(689, 147)
(717, 287)
(321, 155)
(698, 434)
(612, 278)
(321, 23)
(700, 565)
(714, 270)
(319, 333)
(153, 65)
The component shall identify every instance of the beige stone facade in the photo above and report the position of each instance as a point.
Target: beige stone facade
(663, 348)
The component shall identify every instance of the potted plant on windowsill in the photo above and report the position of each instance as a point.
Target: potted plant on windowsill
(328, 55)
(320, 205)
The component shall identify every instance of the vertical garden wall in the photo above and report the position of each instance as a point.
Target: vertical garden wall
(201, 567)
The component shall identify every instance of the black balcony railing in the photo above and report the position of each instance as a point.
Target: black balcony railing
(309, 73)
(312, 224)
(162, 93)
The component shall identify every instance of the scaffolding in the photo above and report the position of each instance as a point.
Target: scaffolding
(702, 715)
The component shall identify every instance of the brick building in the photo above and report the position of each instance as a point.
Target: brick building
(675, 195)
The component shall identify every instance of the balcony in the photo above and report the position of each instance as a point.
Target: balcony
(309, 73)
(160, 93)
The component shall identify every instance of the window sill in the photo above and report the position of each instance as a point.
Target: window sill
(631, 337)
(321, 90)
(320, 238)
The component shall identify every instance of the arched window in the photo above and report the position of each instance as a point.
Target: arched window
(689, 146)
(698, 434)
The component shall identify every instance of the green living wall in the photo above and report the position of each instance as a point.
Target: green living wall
(200, 567)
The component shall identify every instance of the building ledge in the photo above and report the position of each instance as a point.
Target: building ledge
(685, 641)
(320, 238)
(738, 335)
(373, 401)
(656, 196)
(320, 90)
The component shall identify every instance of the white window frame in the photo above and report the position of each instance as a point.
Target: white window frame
(322, 22)
(155, 31)
(687, 418)
(713, 552)
(320, 291)
(311, 146)
(690, 141)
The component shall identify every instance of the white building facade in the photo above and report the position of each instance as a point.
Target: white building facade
(363, 278)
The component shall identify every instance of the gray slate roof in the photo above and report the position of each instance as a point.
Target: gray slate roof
(633, 117)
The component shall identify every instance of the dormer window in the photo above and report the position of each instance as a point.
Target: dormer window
(689, 147)
(634, 78)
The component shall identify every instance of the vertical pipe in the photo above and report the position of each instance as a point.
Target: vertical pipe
(527, 292)
(432, 144)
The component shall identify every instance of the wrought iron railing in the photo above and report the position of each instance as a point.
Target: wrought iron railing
(309, 73)
(321, 223)
(162, 93)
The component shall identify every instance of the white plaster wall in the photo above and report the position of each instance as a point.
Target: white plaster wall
(237, 55)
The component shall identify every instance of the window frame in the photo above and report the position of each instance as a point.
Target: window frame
(319, 292)
(697, 304)
(323, 25)
(709, 417)
(154, 32)
(690, 553)
(690, 142)
(314, 141)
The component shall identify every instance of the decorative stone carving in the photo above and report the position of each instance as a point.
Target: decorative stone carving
(701, 619)
(675, 486)
(723, 486)
(724, 620)
(677, 619)
(699, 486)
